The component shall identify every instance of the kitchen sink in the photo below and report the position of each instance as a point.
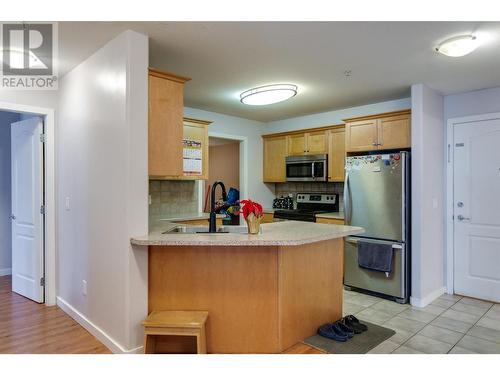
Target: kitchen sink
(202, 229)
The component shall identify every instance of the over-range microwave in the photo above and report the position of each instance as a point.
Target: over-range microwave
(307, 168)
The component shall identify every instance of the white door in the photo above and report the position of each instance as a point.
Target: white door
(476, 200)
(27, 199)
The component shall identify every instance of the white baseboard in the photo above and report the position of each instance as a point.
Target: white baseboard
(97, 332)
(422, 302)
(5, 271)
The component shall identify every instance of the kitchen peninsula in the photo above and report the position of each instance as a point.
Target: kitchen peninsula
(264, 293)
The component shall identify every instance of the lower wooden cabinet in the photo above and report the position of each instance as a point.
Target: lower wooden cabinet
(268, 218)
(324, 220)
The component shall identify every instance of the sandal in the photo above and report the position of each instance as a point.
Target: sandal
(352, 321)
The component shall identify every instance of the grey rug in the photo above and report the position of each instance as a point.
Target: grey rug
(359, 344)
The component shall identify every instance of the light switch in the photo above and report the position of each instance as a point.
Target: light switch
(434, 203)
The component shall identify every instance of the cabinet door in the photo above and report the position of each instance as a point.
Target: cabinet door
(297, 144)
(316, 143)
(199, 133)
(165, 129)
(361, 135)
(275, 151)
(336, 155)
(394, 132)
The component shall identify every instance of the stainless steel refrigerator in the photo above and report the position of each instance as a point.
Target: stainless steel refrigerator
(377, 198)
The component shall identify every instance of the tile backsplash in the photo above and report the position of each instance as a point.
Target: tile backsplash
(172, 198)
(284, 189)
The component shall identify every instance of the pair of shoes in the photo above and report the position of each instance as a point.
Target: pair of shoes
(332, 331)
(337, 331)
(354, 324)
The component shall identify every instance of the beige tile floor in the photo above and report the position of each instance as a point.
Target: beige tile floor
(451, 324)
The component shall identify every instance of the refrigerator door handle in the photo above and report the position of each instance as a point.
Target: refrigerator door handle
(347, 200)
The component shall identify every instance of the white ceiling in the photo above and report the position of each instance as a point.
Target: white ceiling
(226, 58)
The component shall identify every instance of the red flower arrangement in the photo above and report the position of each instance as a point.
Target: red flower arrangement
(250, 207)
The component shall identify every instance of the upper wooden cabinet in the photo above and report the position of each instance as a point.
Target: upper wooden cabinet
(307, 143)
(297, 144)
(165, 131)
(316, 142)
(361, 135)
(326, 140)
(336, 154)
(378, 132)
(275, 152)
(394, 132)
(197, 131)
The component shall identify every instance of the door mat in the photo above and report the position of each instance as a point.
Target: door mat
(359, 344)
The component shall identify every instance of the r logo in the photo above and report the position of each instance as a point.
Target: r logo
(27, 49)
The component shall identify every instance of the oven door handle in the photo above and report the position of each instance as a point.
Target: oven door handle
(312, 170)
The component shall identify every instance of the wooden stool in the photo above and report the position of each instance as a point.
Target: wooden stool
(175, 323)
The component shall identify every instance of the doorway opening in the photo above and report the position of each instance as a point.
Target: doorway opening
(27, 230)
(226, 160)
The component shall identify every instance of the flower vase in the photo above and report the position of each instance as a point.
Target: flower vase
(253, 223)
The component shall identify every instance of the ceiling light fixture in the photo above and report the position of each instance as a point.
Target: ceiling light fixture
(269, 94)
(458, 46)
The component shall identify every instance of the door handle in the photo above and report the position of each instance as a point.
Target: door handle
(463, 218)
(347, 203)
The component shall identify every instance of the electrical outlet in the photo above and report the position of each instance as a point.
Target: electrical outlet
(149, 199)
(67, 205)
(84, 287)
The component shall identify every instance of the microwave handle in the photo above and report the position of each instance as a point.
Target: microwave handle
(312, 170)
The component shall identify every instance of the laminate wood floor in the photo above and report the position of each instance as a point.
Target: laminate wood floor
(32, 328)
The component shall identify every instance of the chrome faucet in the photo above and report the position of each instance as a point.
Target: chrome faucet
(212, 227)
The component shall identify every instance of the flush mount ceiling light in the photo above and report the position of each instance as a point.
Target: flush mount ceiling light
(269, 94)
(458, 46)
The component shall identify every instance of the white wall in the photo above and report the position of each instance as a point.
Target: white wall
(335, 117)
(428, 195)
(251, 130)
(472, 103)
(102, 153)
(45, 98)
(6, 118)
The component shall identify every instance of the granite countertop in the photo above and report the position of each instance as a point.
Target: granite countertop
(332, 215)
(284, 233)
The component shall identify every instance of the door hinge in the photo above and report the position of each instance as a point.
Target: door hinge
(42, 210)
(43, 137)
(42, 281)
